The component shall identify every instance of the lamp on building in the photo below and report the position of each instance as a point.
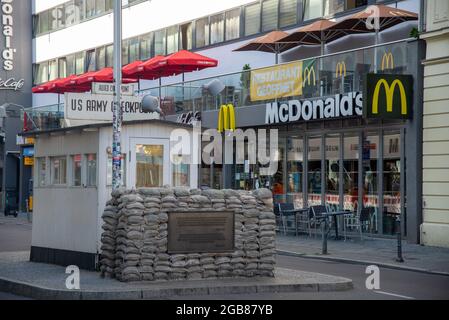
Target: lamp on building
(4, 108)
(214, 87)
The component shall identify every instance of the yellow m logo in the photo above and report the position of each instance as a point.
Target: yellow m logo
(389, 93)
(226, 118)
(308, 72)
(340, 70)
(387, 61)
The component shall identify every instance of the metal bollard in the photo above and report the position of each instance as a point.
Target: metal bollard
(324, 228)
(399, 239)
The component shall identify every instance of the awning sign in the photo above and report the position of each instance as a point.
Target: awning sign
(277, 82)
(82, 106)
(109, 88)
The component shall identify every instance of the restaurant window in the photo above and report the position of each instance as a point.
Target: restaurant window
(295, 158)
(351, 4)
(43, 22)
(314, 171)
(313, 9)
(79, 63)
(62, 68)
(332, 160)
(391, 180)
(125, 52)
(53, 69)
(90, 60)
(186, 36)
(58, 170)
(232, 24)
(149, 166)
(76, 170)
(172, 39)
(56, 18)
(159, 42)
(278, 187)
(42, 172)
(252, 19)
(122, 171)
(181, 170)
(133, 50)
(146, 46)
(269, 15)
(79, 10)
(90, 8)
(216, 29)
(109, 56)
(350, 171)
(332, 7)
(288, 13)
(101, 58)
(70, 65)
(202, 32)
(370, 156)
(91, 170)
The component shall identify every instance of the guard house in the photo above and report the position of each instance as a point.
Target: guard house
(73, 182)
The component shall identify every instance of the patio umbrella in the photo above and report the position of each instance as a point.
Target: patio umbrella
(271, 42)
(102, 75)
(375, 18)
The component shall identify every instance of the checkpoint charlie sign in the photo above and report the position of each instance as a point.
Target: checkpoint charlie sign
(81, 106)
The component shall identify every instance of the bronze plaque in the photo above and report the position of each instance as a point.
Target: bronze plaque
(201, 232)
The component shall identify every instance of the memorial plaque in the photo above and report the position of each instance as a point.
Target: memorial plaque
(201, 232)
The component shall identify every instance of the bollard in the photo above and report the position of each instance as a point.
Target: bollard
(324, 228)
(399, 239)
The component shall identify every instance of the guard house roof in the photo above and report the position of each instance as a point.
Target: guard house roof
(102, 125)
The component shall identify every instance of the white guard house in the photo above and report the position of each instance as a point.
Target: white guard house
(73, 181)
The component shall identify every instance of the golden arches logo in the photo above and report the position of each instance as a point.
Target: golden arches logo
(387, 61)
(308, 72)
(389, 94)
(226, 118)
(340, 69)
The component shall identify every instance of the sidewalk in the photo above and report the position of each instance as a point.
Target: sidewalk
(381, 252)
(43, 281)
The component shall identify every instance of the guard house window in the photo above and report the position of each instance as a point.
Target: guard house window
(312, 9)
(133, 50)
(91, 167)
(181, 171)
(42, 172)
(122, 171)
(149, 166)
(232, 24)
(101, 58)
(172, 39)
(202, 32)
(90, 60)
(76, 170)
(146, 46)
(159, 42)
(58, 171)
(186, 36)
(333, 6)
(79, 63)
(252, 19)
(288, 13)
(216, 29)
(269, 15)
(109, 56)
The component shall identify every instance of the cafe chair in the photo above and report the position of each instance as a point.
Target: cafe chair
(316, 214)
(355, 220)
(283, 208)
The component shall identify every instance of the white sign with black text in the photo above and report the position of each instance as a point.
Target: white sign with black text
(109, 88)
(82, 106)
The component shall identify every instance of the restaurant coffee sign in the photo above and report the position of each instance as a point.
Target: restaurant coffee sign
(82, 106)
(277, 82)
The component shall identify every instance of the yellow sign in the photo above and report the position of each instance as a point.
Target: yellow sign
(387, 61)
(28, 161)
(226, 118)
(308, 73)
(276, 82)
(389, 92)
(29, 140)
(340, 70)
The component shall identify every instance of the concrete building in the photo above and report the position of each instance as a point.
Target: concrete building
(435, 227)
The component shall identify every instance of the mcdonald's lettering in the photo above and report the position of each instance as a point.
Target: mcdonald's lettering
(308, 73)
(340, 70)
(387, 61)
(388, 96)
(226, 118)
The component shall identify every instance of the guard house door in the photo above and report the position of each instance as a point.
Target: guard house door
(149, 163)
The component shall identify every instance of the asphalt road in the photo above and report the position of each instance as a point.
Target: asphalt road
(15, 235)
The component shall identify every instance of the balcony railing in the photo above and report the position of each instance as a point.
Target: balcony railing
(332, 74)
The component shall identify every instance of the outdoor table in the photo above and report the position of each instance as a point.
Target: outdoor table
(334, 215)
(295, 212)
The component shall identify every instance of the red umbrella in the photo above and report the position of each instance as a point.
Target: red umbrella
(103, 75)
(66, 85)
(146, 70)
(131, 70)
(44, 87)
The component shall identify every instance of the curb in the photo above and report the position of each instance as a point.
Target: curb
(362, 262)
(44, 293)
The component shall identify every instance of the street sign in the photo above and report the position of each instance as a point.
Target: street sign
(28, 161)
(108, 88)
(86, 106)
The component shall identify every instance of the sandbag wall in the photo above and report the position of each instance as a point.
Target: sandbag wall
(135, 230)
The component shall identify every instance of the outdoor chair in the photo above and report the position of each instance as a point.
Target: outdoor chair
(283, 207)
(357, 220)
(316, 215)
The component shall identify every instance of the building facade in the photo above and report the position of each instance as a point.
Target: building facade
(435, 227)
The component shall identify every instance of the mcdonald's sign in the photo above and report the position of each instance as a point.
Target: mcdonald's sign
(308, 73)
(387, 61)
(388, 96)
(340, 69)
(226, 118)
